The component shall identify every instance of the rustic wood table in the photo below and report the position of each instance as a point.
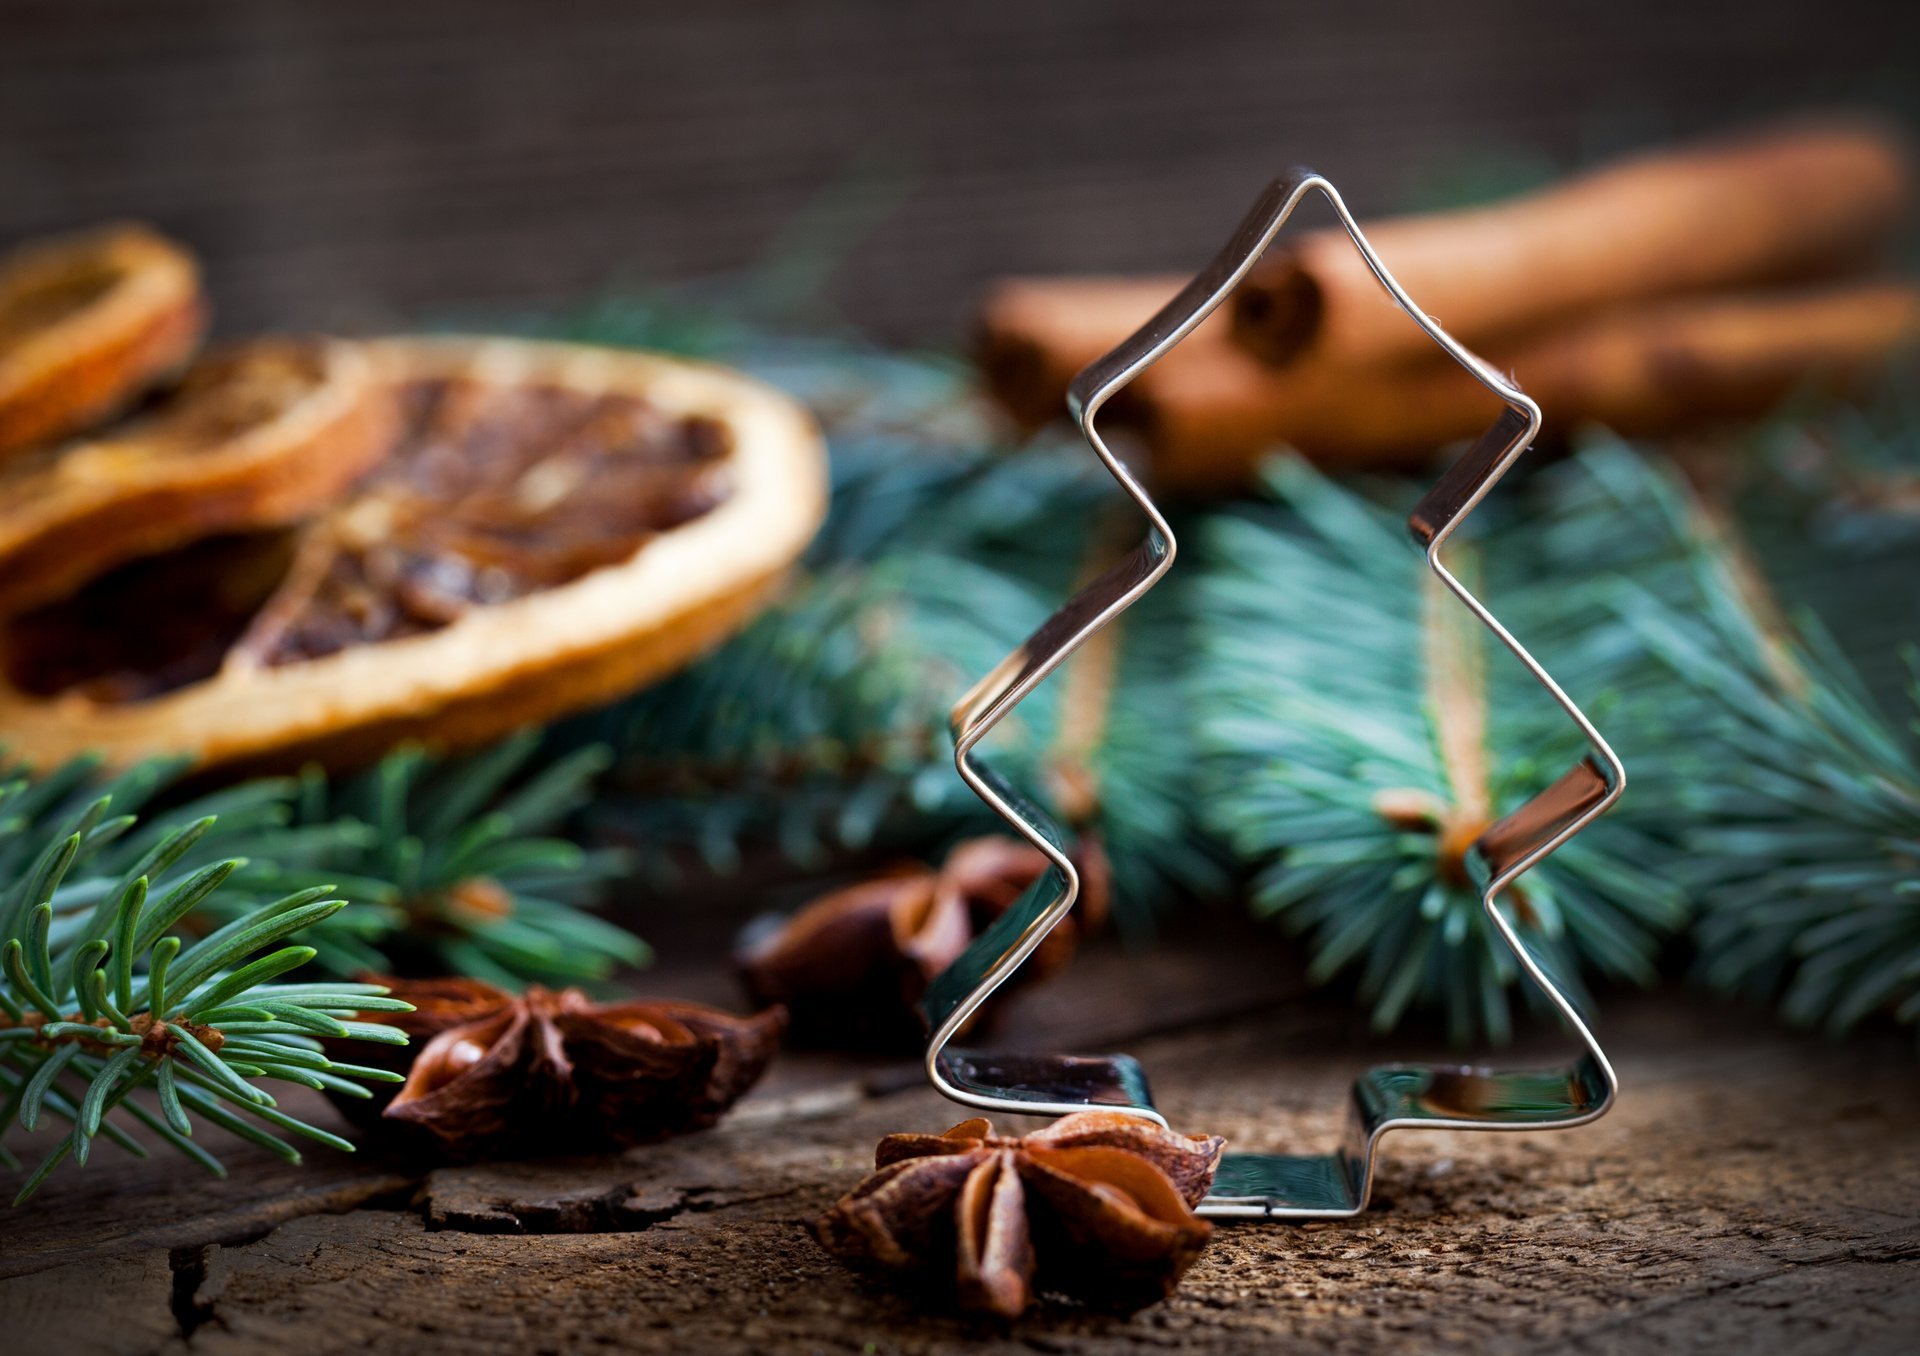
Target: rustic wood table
(1753, 1191)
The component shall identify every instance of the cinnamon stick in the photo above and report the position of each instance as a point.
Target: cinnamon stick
(1034, 334)
(1788, 204)
(1209, 411)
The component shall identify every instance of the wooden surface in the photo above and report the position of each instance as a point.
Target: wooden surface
(362, 162)
(1752, 1191)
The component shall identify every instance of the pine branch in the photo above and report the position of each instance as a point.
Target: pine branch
(454, 862)
(1802, 790)
(1831, 503)
(122, 1001)
(1359, 733)
(1804, 797)
(37, 806)
(848, 739)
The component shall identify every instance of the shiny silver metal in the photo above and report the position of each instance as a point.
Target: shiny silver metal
(1326, 1185)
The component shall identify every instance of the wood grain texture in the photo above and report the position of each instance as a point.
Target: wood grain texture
(361, 162)
(1752, 1192)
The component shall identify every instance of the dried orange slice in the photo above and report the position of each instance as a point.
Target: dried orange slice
(551, 527)
(87, 323)
(259, 435)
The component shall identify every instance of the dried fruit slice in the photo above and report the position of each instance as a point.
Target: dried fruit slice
(87, 323)
(260, 435)
(551, 527)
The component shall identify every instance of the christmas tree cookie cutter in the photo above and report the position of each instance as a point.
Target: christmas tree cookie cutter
(1392, 1097)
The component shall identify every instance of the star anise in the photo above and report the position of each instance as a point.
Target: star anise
(1097, 1207)
(558, 1073)
(852, 965)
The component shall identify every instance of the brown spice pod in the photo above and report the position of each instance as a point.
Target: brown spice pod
(553, 526)
(88, 322)
(491, 1074)
(851, 966)
(258, 435)
(1098, 1206)
(1783, 204)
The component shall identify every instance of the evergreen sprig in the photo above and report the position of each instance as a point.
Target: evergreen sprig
(823, 726)
(1802, 801)
(1360, 730)
(118, 999)
(454, 862)
(35, 806)
(1830, 503)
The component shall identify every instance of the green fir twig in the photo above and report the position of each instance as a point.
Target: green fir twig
(456, 862)
(1801, 811)
(1360, 732)
(122, 1002)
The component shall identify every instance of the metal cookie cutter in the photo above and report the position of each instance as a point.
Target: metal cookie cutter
(1389, 1097)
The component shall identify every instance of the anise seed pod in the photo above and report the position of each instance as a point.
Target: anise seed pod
(852, 965)
(1098, 1207)
(555, 1072)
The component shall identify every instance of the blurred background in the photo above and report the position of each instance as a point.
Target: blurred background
(355, 163)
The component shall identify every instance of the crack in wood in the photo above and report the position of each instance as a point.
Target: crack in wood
(620, 1207)
(532, 1199)
(189, 1267)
